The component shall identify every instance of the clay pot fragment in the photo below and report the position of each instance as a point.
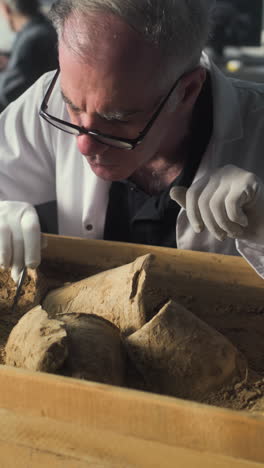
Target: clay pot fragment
(78, 345)
(116, 295)
(95, 349)
(178, 354)
(37, 343)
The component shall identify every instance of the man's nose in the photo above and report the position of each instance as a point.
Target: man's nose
(89, 146)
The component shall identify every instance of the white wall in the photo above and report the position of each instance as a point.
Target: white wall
(6, 36)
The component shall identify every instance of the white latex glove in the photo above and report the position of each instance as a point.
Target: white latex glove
(228, 202)
(20, 237)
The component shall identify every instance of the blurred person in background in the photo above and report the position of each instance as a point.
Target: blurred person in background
(34, 50)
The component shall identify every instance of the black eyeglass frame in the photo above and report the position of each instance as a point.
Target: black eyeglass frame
(130, 143)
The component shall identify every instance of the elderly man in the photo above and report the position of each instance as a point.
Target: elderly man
(135, 113)
(34, 49)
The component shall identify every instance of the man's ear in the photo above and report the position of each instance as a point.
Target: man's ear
(191, 85)
(188, 89)
(175, 98)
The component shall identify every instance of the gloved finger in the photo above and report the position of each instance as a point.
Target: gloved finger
(218, 209)
(16, 271)
(234, 203)
(208, 215)
(178, 194)
(17, 247)
(192, 204)
(5, 245)
(32, 238)
(17, 259)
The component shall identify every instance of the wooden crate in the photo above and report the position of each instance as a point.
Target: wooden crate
(48, 420)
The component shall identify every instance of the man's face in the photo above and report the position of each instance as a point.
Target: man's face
(115, 91)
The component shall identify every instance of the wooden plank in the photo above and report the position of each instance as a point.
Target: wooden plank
(41, 442)
(13, 454)
(109, 254)
(237, 280)
(147, 417)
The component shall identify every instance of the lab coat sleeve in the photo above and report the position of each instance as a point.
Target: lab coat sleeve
(253, 254)
(27, 158)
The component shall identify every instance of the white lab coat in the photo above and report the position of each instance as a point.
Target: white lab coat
(39, 163)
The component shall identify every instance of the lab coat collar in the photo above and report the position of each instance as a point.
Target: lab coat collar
(227, 122)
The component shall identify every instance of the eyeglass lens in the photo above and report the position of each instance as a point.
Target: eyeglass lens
(100, 138)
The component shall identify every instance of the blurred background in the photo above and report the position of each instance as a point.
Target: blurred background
(236, 43)
(28, 46)
(237, 38)
(7, 36)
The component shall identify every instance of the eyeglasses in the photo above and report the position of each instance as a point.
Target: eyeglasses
(105, 139)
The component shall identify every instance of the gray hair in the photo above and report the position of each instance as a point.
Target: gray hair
(179, 28)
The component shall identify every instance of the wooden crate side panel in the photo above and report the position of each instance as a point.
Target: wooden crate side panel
(12, 454)
(149, 417)
(109, 254)
(203, 271)
(30, 442)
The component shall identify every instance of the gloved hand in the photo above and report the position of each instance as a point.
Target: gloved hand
(20, 237)
(228, 202)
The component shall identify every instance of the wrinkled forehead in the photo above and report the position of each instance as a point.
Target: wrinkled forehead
(91, 86)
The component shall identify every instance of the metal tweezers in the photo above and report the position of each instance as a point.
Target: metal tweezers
(19, 287)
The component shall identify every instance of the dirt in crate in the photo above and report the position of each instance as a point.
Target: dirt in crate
(243, 327)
